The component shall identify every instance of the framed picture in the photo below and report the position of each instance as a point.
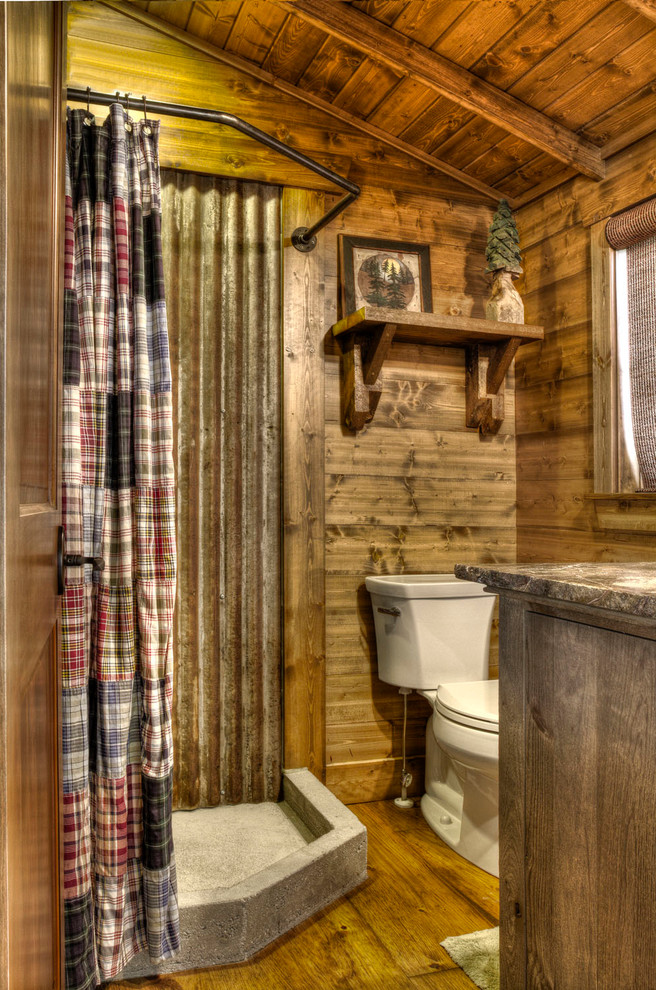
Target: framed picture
(387, 274)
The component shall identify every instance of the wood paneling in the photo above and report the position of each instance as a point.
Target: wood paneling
(555, 437)
(512, 774)
(367, 780)
(31, 269)
(557, 72)
(303, 496)
(646, 7)
(254, 30)
(581, 74)
(33, 896)
(214, 23)
(628, 122)
(577, 895)
(431, 70)
(462, 41)
(604, 360)
(359, 941)
(221, 243)
(414, 491)
(326, 138)
(365, 741)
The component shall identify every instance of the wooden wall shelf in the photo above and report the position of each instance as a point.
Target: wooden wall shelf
(365, 338)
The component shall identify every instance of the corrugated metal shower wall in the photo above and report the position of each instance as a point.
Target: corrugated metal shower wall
(222, 263)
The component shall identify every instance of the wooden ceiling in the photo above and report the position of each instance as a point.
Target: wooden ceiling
(511, 97)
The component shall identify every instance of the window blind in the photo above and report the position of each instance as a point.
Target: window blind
(635, 231)
(632, 226)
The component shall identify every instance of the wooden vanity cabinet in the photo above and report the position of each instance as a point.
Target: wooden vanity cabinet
(577, 760)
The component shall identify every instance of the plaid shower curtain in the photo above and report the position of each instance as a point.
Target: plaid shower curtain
(118, 502)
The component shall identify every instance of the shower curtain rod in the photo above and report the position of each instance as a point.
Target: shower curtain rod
(303, 238)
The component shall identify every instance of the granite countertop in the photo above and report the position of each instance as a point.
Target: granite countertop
(629, 588)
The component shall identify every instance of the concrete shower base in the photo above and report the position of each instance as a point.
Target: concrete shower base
(249, 873)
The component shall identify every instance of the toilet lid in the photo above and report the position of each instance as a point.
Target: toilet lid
(473, 703)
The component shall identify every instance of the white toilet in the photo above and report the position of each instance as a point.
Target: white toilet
(433, 635)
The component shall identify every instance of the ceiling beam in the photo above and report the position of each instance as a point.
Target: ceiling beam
(250, 69)
(646, 7)
(409, 58)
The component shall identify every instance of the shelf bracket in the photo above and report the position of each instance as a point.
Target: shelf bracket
(486, 369)
(362, 361)
(365, 337)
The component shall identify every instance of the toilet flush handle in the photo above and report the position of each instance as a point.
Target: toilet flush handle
(390, 611)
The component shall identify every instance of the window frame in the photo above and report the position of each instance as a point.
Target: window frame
(615, 460)
(604, 362)
(616, 509)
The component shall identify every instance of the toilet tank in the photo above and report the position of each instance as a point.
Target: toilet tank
(431, 629)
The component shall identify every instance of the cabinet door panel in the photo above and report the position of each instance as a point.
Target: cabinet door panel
(590, 859)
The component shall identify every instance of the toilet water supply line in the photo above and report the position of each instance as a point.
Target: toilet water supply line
(406, 777)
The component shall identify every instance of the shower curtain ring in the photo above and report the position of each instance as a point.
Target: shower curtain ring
(128, 125)
(147, 130)
(88, 117)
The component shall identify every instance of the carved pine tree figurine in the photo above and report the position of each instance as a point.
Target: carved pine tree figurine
(505, 264)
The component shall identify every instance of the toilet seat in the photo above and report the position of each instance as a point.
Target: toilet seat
(472, 703)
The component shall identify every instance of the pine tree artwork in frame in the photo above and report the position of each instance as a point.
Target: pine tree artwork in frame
(384, 274)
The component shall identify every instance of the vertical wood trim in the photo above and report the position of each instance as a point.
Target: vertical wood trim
(541, 739)
(577, 746)
(31, 179)
(604, 360)
(512, 795)
(304, 631)
(5, 535)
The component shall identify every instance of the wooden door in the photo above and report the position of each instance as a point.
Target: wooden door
(30, 246)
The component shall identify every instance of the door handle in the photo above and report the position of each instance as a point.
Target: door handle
(72, 560)
(77, 560)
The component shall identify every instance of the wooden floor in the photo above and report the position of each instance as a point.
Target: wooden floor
(384, 936)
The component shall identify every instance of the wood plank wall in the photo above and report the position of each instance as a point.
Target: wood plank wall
(304, 627)
(416, 491)
(555, 463)
(110, 51)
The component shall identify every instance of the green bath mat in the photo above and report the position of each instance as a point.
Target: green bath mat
(478, 955)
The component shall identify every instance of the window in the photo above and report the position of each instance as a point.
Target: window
(624, 351)
(628, 469)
